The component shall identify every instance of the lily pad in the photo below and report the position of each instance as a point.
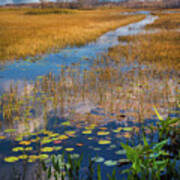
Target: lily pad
(69, 149)
(33, 158)
(62, 137)
(96, 149)
(121, 152)
(11, 159)
(91, 127)
(43, 156)
(46, 141)
(53, 135)
(110, 163)
(102, 133)
(26, 143)
(35, 140)
(16, 149)
(87, 132)
(57, 142)
(47, 149)
(104, 142)
(98, 159)
(79, 144)
(117, 130)
(128, 129)
(103, 128)
(66, 123)
(57, 148)
(112, 146)
(28, 148)
(24, 156)
(127, 135)
(90, 138)
(70, 133)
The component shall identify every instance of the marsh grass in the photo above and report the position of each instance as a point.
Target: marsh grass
(25, 35)
(49, 11)
(166, 21)
(161, 48)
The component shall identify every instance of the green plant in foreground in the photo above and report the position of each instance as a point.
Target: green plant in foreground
(156, 161)
(147, 160)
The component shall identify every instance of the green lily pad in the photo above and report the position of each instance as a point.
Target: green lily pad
(102, 133)
(117, 130)
(70, 133)
(90, 138)
(10, 130)
(69, 149)
(98, 159)
(110, 163)
(43, 156)
(112, 146)
(66, 123)
(62, 137)
(16, 149)
(28, 149)
(47, 149)
(53, 135)
(46, 141)
(121, 152)
(128, 129)
(35, 140)
(11, 159)
(96, 149)
(91, 127)
(24, 156)
(87, 132)
(33, 158)
(57, 148)
(104, 142)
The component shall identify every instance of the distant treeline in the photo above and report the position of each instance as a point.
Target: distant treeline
(88, 4)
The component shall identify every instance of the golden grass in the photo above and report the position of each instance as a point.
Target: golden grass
(23, 35)
(161, 48)
(167, 21)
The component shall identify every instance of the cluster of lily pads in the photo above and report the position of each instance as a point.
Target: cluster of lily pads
(39, 145)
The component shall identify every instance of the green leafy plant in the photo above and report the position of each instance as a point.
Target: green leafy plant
(147, 160)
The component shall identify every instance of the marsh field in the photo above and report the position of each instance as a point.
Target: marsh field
(89, 94)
